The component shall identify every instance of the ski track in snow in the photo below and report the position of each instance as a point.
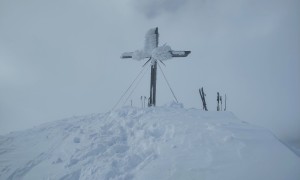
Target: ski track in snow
(167, 142)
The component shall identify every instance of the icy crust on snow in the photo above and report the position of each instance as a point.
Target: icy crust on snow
(162, 53)
(140, 55)
(151, 41)
(167, 142)
(151, 49)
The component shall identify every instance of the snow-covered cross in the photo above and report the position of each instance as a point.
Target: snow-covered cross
(155, 53)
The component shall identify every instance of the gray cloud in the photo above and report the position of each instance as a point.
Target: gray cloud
(154, 8)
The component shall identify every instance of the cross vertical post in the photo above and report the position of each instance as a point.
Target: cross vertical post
(152, 101)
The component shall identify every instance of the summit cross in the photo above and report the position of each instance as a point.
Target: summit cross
(155, 54)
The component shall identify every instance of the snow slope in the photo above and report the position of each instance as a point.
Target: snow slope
(167, 142)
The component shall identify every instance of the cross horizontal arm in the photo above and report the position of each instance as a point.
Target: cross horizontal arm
(173, 53)
(180, 53)
(127, 55)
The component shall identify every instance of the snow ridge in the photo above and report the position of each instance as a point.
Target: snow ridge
(167, 142)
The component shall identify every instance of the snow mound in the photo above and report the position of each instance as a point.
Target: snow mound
(167, 142)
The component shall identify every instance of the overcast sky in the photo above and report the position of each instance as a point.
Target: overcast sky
(61, 58)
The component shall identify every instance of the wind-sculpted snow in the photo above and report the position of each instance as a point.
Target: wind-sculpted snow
(167, 142)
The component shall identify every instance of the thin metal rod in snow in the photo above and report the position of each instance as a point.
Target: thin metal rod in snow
(143, 101)
(221, 103)
(154, 54)
(218, 100)
(133, 82)
(225, 103)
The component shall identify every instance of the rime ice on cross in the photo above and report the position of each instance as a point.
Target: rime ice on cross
(154, 53)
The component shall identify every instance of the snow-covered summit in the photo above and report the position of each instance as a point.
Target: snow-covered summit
(168, 142)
